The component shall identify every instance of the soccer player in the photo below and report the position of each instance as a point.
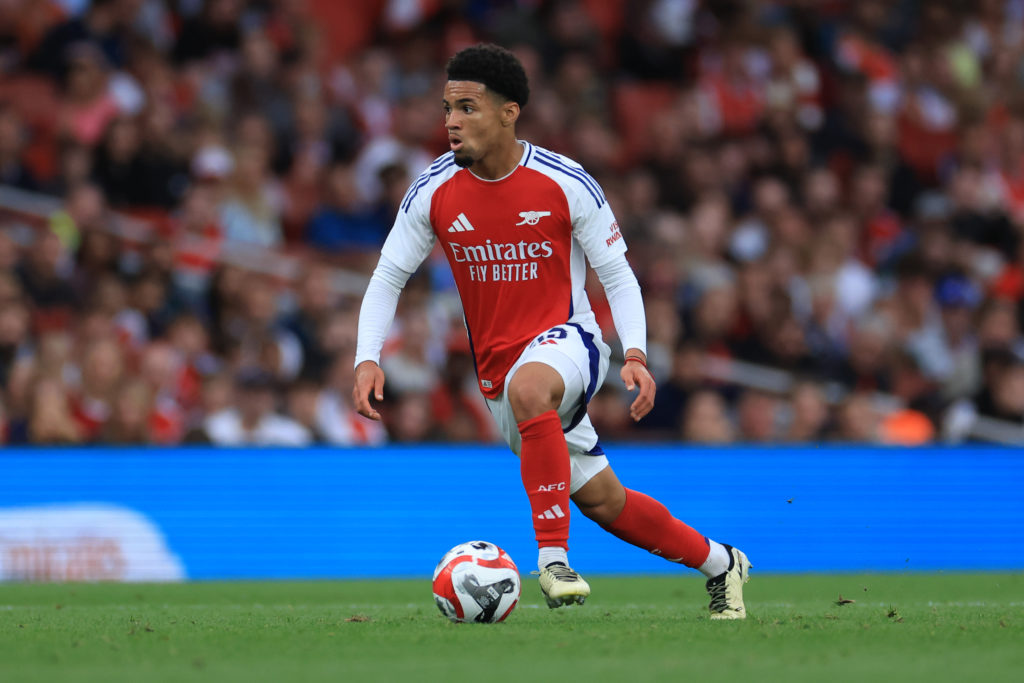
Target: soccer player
(515, 222)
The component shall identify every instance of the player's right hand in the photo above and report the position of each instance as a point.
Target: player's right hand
(369, 378)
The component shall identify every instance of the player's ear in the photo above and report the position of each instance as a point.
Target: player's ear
(509, 113)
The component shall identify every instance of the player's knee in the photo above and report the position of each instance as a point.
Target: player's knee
(530, 399)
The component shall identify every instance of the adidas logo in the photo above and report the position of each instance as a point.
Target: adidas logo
(461, 224)
(553, 512)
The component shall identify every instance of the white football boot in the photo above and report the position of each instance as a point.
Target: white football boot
(726, 589)
(562, 586)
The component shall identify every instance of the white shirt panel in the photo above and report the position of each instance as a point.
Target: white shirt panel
(412, 237)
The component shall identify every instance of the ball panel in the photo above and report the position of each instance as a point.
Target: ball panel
(508, 611)
(446, 607)
(459, 551)
(445, 590)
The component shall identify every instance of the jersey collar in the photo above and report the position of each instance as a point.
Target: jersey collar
(526, 150)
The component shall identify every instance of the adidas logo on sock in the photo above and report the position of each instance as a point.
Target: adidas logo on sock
(553, 512)
(461, 224)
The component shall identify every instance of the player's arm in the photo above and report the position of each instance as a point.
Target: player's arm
(596, 229)
(407, 246)
(627, 305)
(375, 318)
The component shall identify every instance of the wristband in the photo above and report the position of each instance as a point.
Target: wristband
(636, 359)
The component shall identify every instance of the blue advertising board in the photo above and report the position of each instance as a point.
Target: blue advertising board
(326, 513)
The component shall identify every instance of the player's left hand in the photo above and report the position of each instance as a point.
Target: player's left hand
(635, 375)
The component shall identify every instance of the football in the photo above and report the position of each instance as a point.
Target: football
(476, 582)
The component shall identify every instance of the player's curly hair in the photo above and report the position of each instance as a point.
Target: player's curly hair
(495, 67)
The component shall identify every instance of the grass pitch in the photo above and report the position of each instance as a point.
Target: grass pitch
(934, 627)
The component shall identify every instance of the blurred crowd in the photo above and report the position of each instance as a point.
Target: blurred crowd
(832, 189)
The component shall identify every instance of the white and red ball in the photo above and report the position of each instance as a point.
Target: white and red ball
(476, 582)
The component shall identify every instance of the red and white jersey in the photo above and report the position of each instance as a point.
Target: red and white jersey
(516, 247)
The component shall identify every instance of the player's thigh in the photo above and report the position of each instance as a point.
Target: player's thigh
(565, 350)
(572, 395)
(578, 355)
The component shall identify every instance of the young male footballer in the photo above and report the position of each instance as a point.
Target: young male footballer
(516, 222)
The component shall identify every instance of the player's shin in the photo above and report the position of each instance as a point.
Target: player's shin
(544, 466)
(648, 524)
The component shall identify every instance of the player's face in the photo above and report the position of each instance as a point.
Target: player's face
(473, 117)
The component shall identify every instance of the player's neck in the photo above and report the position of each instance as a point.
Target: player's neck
(500, 161)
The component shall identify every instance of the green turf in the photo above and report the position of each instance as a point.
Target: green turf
(934, 627)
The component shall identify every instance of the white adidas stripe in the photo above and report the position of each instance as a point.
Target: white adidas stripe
(553, 512)
(461, 224)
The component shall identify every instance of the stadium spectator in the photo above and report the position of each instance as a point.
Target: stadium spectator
(404, 144)
(152, 297)
(704, 419)
(301, 402)
(118, 165)
(216, 395)
(457, 405)
(251, 210)
(1008, 393)
(93, 400)
(609, 412)
(675, 391)
(254, 421)
(857, 420)
(89, 104)
(256, 86)
(410, 418)
(213, 32)
(346, 225)
(958, 298)
(198, 242)
(129, 421)
(997, 396)
(50, 419)
(100, 25)
(13, 138)
(757, 417)
(408, 366)
(316, 301)
(45, 279)
(9, 258)
(808, 414)
(866, 366)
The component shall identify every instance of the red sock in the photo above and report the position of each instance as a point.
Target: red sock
(544, 466)
(648, 524)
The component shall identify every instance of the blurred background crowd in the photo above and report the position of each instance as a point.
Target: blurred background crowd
(823, 201)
